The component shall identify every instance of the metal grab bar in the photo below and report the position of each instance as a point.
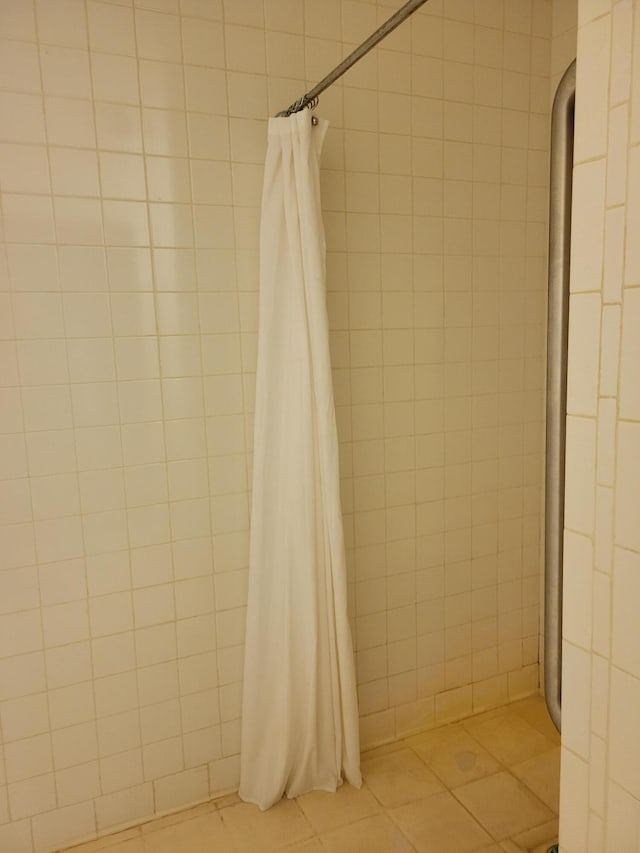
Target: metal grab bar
(557, 333)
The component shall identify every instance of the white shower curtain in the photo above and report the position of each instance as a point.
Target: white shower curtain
(299, 715)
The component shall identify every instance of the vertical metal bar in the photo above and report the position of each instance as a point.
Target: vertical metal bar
(557, 333)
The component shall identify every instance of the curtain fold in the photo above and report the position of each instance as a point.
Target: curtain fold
(299, 715)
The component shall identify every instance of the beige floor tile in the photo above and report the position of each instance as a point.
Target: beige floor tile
(136, 845)
(541, 775)
(200, 835)
(252, 830)
(128, 841)
(440, 824)
(508, 737)
(454, 755)
(539, 838)
(385, 749)
(543, 848)
(534, 711)
(326, 811)
(226, 800)
(311, 846)
(177, 817)
(399, 777)
(371, 835)
(502, 805)
(511, 846)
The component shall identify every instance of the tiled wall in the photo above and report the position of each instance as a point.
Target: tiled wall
(600, 788)
(564, 24)
(132, 137)
(438, 346)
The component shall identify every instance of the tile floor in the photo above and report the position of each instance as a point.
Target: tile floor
(488, 784)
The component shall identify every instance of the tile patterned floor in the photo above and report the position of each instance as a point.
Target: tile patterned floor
(488, 784)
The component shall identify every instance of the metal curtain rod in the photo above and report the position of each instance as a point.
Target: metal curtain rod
(311, 97)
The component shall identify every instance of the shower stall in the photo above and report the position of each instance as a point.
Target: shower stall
(132, 149)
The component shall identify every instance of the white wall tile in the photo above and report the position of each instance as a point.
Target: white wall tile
(584, 333)
(69, 122)
(624, 626)
(119, 732)
(24, 169)
(629, 355)
(632, 255)
(609, 350)
(604, 528)
(21, 675)
(19, 68)
(21, 632)
(114, 78)
(63, 826)
(623, 747)
(624, 820)
(577, 602)
(113, 654)
(599, 695)
(28, 757)
(606, 441)
(574, 801)
(58, 539)
(32, 796)
(190, 786)
(124, 807)
(18, 590)
(111, 28)
(77, 784)
(627, 486)
(74, 745)
(65, 72)
(601, 614)
(53, 18)
(24, 717)
(68, 664)
(27, 118)
(580, 474)
(621, 52)
(592, 77)
(121, 771)
(160, 721)
(116, 694)
(19, 23)
(156, 644)
(163, 758)
(71, 705)
(576, 696)
(158, 36)
(37, 315)
(588, 197)
(157, 683)
(617, 155)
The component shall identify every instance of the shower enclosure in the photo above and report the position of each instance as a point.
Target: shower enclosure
(131, 160)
